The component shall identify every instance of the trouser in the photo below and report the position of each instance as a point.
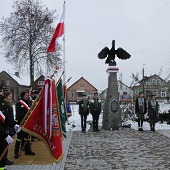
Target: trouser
(22, 139)
(83, 122)
(95, 115)
(140, 123)
(152, 126)
(2, 147)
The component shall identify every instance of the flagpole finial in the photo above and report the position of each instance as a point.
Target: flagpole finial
(64, 4)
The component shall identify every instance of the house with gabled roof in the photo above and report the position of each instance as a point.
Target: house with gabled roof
(81, 86)
(155, 85)
(14, 83)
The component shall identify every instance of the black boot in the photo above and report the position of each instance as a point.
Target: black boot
(8, 162)
(16, 150)
(28, 150)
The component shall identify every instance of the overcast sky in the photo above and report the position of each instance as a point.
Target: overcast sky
(141, 27)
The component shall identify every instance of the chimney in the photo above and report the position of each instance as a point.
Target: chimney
(17, 74)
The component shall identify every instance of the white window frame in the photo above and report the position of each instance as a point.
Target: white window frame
(163, 93)
(40, 83)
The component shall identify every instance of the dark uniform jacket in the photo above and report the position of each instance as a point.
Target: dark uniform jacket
(95, 105)
(9, 120)
(83, 107)
(21, 111)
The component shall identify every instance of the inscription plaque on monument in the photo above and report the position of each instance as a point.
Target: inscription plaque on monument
(114, 106)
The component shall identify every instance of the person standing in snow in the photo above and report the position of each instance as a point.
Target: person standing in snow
(95, 110)
(140, 110)
(83, 111)
(153, 108)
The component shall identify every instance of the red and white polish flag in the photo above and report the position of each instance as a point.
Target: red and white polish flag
(59, 31)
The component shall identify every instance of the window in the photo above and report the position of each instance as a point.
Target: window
(154, 82)
(147, 83)
(155, 92)
(73, 94)
(41, 83)
(8, 82)
(81, 85)
(124, 93)
(158, 82)
(163, 93)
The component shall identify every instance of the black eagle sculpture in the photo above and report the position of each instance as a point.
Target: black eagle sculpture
(112, 53)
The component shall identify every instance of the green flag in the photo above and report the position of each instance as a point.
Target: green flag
(62, 108)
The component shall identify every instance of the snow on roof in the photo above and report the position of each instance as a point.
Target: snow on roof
(22, 80)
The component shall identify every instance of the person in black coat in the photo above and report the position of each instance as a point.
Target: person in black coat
(95, 110)
(23, 138)
(5, 120)
(140, 110)
(9, 108)
(153, 108)
(83, 111)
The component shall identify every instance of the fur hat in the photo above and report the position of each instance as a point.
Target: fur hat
(22, 94)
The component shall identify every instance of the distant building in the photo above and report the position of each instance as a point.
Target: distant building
(153, 85)
(38, 83)
(13, 83)
(125, 93)
(81, 86)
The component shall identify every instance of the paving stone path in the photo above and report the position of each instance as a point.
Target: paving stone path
(112, 150)
(116, 150)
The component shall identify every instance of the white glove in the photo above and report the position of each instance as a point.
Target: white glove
(17, 128)
(9, 139)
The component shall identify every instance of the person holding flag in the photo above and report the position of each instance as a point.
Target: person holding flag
(22, 107)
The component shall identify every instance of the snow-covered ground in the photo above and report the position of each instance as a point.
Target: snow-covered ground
(74, 122)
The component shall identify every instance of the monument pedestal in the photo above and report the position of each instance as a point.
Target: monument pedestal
(111, 112)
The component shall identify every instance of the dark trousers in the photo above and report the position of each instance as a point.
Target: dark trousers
(95, 115)
(22, 139)
(2, 147)
(83, 122)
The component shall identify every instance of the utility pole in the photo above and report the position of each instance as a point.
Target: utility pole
(143, 75)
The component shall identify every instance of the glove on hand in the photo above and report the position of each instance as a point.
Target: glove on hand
(9, 139)
(17, 128)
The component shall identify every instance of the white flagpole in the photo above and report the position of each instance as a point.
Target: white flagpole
(64, 75)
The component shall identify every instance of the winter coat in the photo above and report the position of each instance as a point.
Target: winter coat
(83, 109)
(153, 111)
(137, 106)
(10, 111)
(21, 111)
(95, 105)
(9, 120)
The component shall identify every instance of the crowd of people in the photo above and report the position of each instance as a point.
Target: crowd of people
(9, 126)
(142, 107)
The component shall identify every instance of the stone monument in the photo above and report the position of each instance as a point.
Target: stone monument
(111, 112)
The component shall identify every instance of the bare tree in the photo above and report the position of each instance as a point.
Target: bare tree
(26, 34)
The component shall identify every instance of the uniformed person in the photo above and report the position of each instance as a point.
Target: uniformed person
(23, 138)
(95, 110)
(5, 120)
(83, 111)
